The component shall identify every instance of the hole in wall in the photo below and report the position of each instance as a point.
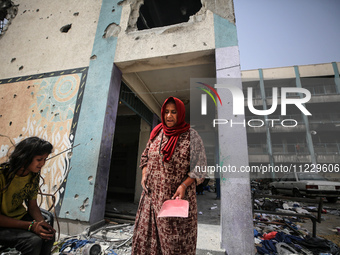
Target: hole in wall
(69, 154)
(65, 28)
(85, 203)
(160, 13)
(112, 30)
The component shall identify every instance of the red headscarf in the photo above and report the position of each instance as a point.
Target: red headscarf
(175, 131)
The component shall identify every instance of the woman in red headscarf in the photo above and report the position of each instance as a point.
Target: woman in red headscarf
(169, 164)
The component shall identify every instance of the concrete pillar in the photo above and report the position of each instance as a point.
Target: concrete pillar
(336, 77)
(236, 207)
(309, 139)
(106, 146)
(85, 192)
(269, 139)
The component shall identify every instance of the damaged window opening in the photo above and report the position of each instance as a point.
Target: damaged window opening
(7, 12)
(160, 13)
(3, 23)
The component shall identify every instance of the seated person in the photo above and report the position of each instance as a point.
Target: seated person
(24, 230)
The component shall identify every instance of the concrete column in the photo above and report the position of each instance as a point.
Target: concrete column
(144, 136)
(236, 208)
(336, 77)
(84, 196)
(305, 120)
(269, 139)
(106, 146)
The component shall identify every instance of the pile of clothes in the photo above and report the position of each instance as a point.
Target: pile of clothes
(283, 235)
(281, 243)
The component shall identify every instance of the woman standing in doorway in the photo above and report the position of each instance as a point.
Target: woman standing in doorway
(168, 164)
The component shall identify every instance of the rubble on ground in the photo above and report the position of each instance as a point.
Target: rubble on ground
(279, 234)
(110, 240)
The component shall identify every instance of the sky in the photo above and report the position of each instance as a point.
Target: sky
(277, 33)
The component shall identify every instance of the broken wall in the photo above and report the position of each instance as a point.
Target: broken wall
(42, 78)
(34, 43)
(46, 106)
(166, 46)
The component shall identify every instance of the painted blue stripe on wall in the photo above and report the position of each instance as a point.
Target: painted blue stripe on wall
(91, 119)
(225, 32)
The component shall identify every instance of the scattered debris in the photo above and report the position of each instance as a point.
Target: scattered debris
(110, 239)
(283, 234)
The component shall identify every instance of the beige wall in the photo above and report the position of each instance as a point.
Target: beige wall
(34, 39)
(288, 72)
(38, 97)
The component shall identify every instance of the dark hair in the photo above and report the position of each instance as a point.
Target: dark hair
(170, 101)
(23, 155)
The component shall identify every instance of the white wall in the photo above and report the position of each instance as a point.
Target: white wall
(35, 41)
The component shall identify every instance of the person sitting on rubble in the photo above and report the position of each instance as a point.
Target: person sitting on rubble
(24, 230)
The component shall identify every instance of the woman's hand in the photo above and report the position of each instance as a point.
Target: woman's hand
(180, 192)
(143, 182)
(43, 229)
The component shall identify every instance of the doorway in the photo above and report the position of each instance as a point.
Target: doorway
(122, 175)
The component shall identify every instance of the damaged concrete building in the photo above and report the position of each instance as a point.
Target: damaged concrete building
(294, 140)
(92, 76)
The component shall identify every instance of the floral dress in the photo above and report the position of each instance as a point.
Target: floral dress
(169, 235)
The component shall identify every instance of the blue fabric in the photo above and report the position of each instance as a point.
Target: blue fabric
(74, 244)
(262, 250)
(269, 245)
(282, 237)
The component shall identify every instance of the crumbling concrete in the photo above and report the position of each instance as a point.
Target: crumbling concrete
(112, 30)
(8, 11)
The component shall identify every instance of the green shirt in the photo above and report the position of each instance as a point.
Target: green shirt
(20, 189)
